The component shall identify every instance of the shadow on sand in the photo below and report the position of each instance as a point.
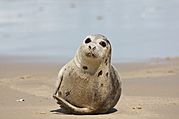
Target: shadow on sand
(62, 111)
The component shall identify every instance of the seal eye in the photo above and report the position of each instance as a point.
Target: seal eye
(103, 44)
(87, 40)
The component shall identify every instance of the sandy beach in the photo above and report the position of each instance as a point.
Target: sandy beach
(150, 90)
(38, 36)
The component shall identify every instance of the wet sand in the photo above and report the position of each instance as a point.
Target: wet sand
(150, 90)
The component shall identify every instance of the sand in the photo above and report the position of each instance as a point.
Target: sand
(150, 91)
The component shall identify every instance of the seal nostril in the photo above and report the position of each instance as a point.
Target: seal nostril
(94, 47)
(89, 47)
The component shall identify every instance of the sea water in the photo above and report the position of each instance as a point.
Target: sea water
(137, 29)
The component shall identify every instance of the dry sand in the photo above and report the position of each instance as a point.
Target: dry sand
(150, 90)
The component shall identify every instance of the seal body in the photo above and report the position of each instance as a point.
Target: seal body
(89, 84)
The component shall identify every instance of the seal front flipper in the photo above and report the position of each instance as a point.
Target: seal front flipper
(59, 80)
(71, 108)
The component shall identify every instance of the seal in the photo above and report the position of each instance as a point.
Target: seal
(89, 84)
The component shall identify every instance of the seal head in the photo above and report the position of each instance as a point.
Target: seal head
(93, 50)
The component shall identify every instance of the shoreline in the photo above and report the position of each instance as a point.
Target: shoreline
(56, 59)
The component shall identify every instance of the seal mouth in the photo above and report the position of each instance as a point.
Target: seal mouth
(90, 54)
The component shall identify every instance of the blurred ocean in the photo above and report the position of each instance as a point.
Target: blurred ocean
(137, 29)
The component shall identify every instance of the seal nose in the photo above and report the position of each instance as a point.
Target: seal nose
(92, 47)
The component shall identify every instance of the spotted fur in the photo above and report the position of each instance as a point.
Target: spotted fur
(89, 84)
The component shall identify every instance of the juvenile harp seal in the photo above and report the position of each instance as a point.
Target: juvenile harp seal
(89, 84)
